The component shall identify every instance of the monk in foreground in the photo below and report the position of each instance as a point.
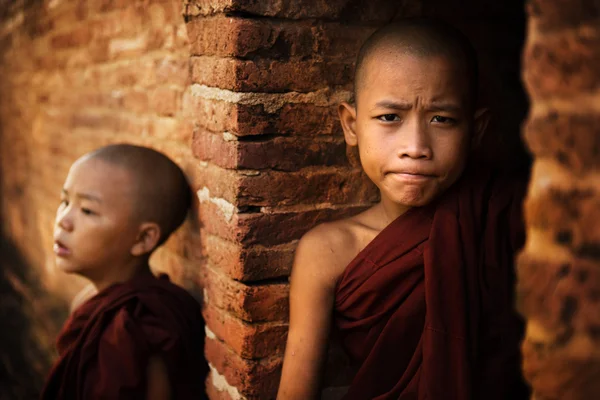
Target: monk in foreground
(132, 335)
(418, 287)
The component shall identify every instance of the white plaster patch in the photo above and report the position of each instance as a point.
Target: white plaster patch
(221, 384)
(272, 102)
(229, 137)
(210, 334)
(228, 209)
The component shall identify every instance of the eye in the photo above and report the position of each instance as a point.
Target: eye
(389, 118)
(64, 203)
(87, 211)
(443, 120)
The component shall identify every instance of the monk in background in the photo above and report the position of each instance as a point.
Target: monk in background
(419, 287)
(131, 335)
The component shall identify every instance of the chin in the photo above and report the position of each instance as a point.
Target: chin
(66, 266)
(413, 197)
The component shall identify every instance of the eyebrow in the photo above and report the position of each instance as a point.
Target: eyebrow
(434, 106)
(84, 196)
(393, 105)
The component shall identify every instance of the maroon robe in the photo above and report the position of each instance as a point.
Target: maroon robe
(425, 311)
(106, 343)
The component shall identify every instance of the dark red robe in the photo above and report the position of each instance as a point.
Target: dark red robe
(426, 311)
(106, 343)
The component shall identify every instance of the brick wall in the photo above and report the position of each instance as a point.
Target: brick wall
(559, 274)
(242, 95)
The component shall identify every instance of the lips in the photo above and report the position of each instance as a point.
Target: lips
(60, 249)
(410, 176)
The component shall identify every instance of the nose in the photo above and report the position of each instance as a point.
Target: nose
(64, 218)
(414, 141)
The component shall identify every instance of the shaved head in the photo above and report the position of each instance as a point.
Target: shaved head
(160, 189)
(419, 37)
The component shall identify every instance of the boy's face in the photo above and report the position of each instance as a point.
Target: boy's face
(412, 124)
(94, 229)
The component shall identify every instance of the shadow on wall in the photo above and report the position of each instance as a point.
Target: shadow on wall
(28, 317)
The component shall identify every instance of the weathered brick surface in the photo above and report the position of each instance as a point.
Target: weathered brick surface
(255, 303)
(254, 379)
(373, 11)
(558, 282)
(564, 63)
(248, 340)
(243, 95)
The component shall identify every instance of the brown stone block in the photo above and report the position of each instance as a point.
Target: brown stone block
(573, 140)
(559, 14)
(308, 186)
(555, 375)
(171, 70)
(247, 119)
(77, 37)
(256, 303)
(247, 340)
(351, 10)
(563, 297)
(570, 215)
(254, 379)
(222, 183)
(248, 264)
(563, 64)
(280, 153)
(284, 227)
(274, 39)
(165, 101)
(270, 75)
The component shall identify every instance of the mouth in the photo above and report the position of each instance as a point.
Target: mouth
(411, 176)
(60, 249)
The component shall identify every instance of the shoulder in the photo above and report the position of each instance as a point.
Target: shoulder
(326, 250)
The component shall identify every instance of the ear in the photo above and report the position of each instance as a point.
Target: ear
(481, 120)
(147, 239)
(347, 114)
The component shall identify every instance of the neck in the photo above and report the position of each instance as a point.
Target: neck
(120, 274)
(389, 211)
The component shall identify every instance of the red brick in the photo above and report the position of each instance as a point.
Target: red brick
(571, 139)
(563, 65)
(374, 11)
(242, 119)
(267, 229)
(256, 303)
(77, 37)
(280, 153)
(308, 186)
(171, 70)
(228, 36)
(243, 264)
(165, 101)
(560, 211)
(222, 183)
(250, 38)
(254, 379)
(122, 22)
(270, 75)
(545, 286)
(247, 340)
(116, 122)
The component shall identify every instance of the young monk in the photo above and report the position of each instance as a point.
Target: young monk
(133, 335)
(418, 287)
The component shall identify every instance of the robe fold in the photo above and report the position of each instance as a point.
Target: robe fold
(106, 343)
(425, 311)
